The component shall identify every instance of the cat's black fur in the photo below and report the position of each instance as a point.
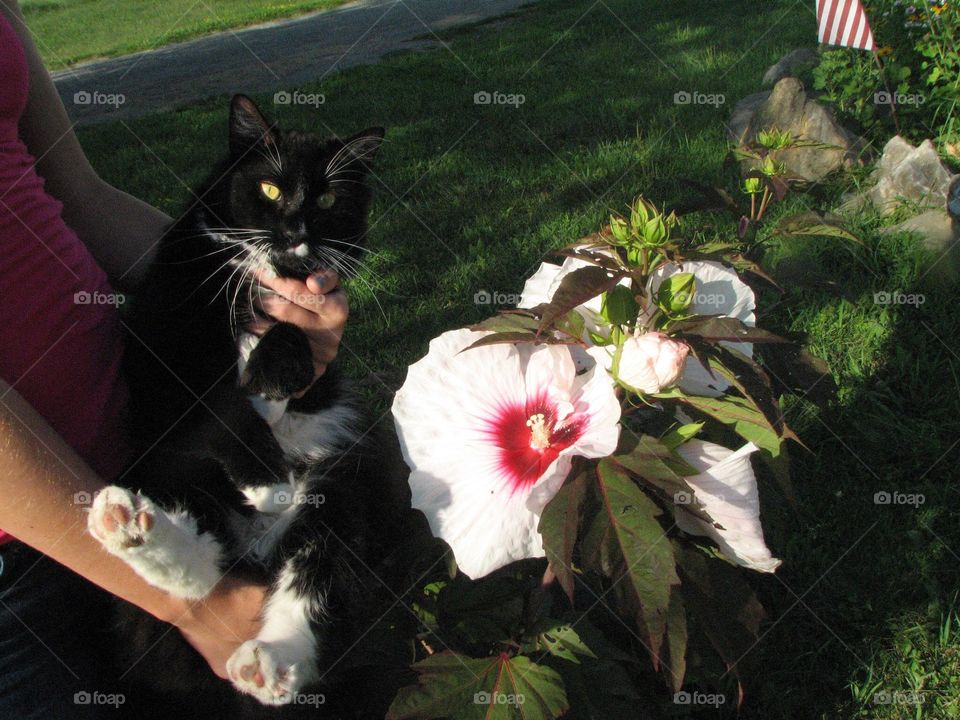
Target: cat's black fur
(198, 437)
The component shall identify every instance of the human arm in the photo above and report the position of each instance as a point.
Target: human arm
(39, 477)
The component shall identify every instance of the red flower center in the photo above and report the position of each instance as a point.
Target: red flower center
(529, 437)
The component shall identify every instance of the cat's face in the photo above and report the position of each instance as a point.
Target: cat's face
(304, 198)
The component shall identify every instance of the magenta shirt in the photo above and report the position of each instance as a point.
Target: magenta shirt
(60, 353)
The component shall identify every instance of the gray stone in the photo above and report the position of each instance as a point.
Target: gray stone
(905, 175)
(936, 227)
(940, 231)
(791, 64)
(789, 108)
(912, 175)
(743, 112)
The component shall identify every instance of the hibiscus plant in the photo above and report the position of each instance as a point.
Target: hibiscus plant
(588, 457)
(765, 180)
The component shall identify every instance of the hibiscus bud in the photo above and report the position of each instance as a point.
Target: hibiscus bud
(651, 362)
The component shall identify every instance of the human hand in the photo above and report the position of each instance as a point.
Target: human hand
(318, 306)
(217, 625)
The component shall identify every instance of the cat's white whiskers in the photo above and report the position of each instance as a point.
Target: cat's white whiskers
(346, 154)
(347, 266)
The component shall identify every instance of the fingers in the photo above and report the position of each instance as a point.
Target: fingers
(306, 294)
(323, 282)
(330, 314)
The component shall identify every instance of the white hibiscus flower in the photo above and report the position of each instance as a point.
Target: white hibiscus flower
(489, 435)
(727, 490)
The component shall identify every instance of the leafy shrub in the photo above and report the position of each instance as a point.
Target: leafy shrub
(918, 45)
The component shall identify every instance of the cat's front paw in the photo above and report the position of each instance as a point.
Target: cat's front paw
(280, 365)
(120, 519)
(269, 671)
(165, 548)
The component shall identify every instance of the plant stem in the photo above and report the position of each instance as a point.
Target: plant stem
(763, 202)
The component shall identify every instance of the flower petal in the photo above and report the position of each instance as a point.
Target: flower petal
(537, 289)
(720, 291)
(727, 490)
(464, 423)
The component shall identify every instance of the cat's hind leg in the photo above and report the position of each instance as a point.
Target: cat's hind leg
(282, 660)
(164, 547)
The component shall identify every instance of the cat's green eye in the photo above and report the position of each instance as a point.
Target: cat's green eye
(325, 201)
(270, 191)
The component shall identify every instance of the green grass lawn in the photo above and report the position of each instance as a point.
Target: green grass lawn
(470, 197)
(69, 31)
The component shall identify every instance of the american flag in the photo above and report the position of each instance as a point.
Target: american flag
(843, 22)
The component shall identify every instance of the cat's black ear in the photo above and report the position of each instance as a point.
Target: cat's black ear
(248, 126)
(364, 145)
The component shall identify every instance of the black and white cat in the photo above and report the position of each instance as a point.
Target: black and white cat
(233, 472)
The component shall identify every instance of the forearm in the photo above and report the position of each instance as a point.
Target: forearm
(39, 478)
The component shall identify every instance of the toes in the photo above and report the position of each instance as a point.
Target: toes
(145, 521)
(119, 518)
(254, 670)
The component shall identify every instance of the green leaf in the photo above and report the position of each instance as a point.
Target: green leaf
(717, 327)
(559, 527)
(560, 640)
(814, 225)
(630, 547)
(459, 687)
(679, 435)
(575, 289)
(740, 414)
(619, 229)
(752, 382)
(650, 461)
(676, 293)
(509, 322)
(501, 338)
(619, 306)
(676, 664)
(572, 324)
